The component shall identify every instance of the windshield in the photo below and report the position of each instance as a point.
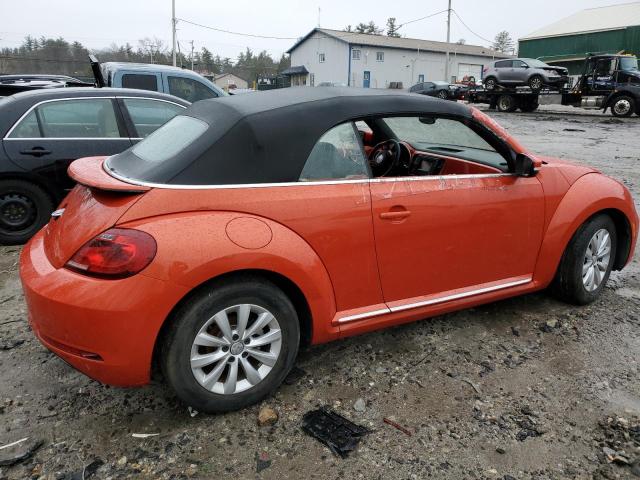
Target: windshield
(532, 62)
(628, 64)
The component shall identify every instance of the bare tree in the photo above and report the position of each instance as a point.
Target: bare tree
(503, 42)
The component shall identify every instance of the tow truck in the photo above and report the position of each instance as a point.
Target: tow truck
(607, 82)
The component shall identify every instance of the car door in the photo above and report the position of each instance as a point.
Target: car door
(439, 236)
(519, 72)
(143, 116)
(56, 132)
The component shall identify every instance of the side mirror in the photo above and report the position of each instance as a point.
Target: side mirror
(525, 166)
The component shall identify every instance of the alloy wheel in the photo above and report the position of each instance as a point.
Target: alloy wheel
(596, 260)
(236, 349)
(535, 83)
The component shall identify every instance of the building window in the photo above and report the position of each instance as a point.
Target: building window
(312, 79)
(380, 56)
(321, 57)
(355, 54)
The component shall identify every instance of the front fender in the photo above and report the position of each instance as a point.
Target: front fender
(195, 247)
(589, 195)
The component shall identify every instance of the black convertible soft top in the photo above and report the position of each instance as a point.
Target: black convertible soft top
(266, 137)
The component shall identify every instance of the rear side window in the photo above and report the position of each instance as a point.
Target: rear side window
(140, 81)
(148, 115)
(189, 89)
(337, 155)
(27, 128)
(169, 140)
(81, 118)
(504, 64)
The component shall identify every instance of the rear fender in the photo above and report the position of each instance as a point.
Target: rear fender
(589, 195)
(196, 247)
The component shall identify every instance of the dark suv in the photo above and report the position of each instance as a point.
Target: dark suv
(43, 131)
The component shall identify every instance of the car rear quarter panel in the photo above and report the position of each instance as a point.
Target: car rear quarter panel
(321, 239)
(589, 194)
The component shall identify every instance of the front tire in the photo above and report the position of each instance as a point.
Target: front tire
(24, 209)
(230, 346)
(623, 106)
(587, 262)
(443, 95)
(535, 83)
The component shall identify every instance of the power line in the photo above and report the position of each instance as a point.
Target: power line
(236, 33)
(466, 26)
(422, 18)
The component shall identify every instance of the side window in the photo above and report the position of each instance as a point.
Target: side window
(140, 81)
(148, 115)
(337, 155)
(355, 54)
(518, 64)
(189, 89)
(504, 64)
(429, 86)
(88, 118)
(27, 128)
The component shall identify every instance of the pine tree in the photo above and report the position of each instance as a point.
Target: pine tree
(392, 28)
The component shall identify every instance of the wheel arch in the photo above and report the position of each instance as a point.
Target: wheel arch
(606, 196)
(289, 287)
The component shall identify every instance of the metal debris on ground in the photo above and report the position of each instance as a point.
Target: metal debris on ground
(397, 426)
(335, 431)
(262, 461)
(192, 411)
(144, 435)
(18, 451)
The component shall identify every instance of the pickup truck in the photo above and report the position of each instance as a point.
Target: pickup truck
(179, 82)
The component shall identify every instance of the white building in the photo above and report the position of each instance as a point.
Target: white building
(364, 60)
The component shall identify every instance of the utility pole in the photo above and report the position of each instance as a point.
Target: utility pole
(191, 54)
(173, 30)
(446, 65)
(318, 17)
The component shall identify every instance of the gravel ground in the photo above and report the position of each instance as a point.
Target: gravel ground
(527, 388)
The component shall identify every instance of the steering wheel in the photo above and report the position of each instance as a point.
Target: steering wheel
(384, 157)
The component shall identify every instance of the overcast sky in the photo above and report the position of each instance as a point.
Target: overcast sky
(98, 24)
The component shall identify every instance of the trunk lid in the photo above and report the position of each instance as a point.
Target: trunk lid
(93, 206)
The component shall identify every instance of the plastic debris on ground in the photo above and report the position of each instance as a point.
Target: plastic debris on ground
(335, 431)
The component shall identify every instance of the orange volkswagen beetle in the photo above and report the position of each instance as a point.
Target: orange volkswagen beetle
(251, 225)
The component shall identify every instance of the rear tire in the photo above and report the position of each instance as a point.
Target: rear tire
(536, 83)
(443, 95)
(580, 279)
(182, 347)
(24, 209)
(623, 106)
(490, 83)
(506, 103)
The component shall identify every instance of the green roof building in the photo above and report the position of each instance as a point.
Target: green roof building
(567, 42)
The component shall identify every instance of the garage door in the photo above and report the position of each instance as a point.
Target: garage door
(470, 70)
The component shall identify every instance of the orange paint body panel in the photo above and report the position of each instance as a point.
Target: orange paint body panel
(365, 254)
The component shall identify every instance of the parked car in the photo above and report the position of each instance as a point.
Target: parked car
(43, 131)
(248, 226)
(10, 84)
(180, 82)
(524, 72)
(441, 90)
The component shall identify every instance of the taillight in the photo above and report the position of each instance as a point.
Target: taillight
(116, 253)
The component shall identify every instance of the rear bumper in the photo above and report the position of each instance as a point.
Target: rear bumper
(104, 328)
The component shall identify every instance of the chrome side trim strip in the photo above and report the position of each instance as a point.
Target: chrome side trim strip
(433, 301)
(360, 316)
(457, 296)
(297, 184)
